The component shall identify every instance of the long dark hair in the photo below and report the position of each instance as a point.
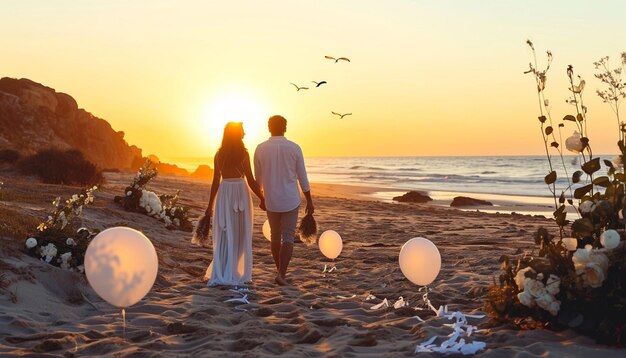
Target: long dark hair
(232, 150)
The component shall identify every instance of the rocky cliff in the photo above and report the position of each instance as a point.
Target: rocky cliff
(35, 117)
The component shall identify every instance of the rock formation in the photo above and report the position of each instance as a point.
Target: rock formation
(413, 197)
(465, 201)
(35, 117)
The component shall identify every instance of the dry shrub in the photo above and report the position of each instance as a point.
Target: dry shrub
(69, 167)
(9, 156)
(16, 225)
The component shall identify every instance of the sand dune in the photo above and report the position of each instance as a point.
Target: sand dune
(49, 311)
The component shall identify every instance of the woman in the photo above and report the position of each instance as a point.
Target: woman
(232, 218)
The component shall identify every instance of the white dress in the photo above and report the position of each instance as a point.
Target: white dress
(232, 235)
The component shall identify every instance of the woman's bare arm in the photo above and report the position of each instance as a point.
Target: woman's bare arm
(217, 176)
(252, 183)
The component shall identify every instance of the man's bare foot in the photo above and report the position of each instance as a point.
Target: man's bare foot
(281, 281)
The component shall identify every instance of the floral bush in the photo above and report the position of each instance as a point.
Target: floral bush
(162, 207)
(57, 240)
(575, 278)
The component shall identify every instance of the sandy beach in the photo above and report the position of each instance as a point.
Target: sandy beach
(46, 311)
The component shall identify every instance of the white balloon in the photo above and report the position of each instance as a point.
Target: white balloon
(330, 244)
(420, 261)
(121, 265)
(267, 232)
(610, 239)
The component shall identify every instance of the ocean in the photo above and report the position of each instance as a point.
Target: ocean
(502, 176)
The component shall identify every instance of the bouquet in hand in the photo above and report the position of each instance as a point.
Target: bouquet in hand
(201, 234)
(307, 230)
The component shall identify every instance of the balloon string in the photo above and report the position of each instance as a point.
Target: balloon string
(124, 322)
(425, 296)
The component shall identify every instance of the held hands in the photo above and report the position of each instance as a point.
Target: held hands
(262, 205)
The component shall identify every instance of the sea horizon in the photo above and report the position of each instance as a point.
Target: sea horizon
(517, 177)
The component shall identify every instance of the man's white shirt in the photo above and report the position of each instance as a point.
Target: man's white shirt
(278, 166)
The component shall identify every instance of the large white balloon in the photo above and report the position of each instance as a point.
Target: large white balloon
(267, 231)
(420, 261)
(121, 265)
(330, 244)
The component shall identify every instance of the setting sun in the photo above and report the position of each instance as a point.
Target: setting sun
(235, 105)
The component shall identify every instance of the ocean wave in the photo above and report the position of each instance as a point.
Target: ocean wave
(355, 167)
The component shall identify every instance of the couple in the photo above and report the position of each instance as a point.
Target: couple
(278, 163)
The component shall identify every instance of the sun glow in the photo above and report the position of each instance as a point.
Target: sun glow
(235, 106)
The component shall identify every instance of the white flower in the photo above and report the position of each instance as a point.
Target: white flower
(544, 301)
(555, 306)
(610, 239)
(570, 243)
(587, 207)
(525, 298)
(66, 257)
(520, 278)
(65, 265)
(172, 211)
(151, 202)
(553, 284)
(548, 303)
(591, 265)
(617, 161)
(176, 221)
(49, 252)
(129, 193)
(70, 242)
(81, 268)
(31, 242)
(535, 288)
(573, 143)
(167, 220)
(593, 275)
(75, 197)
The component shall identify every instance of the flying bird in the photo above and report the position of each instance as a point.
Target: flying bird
(317, 84)
(341, 115)
(337, 59)
(299, 88)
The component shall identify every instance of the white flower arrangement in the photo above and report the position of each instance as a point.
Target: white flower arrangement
(56, 234)
(161, 207)
(585, 258)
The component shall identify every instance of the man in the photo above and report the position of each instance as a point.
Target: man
(278, 166)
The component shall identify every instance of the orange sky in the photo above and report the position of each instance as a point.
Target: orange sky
(425, 77)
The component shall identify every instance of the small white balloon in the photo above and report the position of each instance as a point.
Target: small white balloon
(610, 239)
(330, 244)
(121, 265)
(267, 232)
(420, 261)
